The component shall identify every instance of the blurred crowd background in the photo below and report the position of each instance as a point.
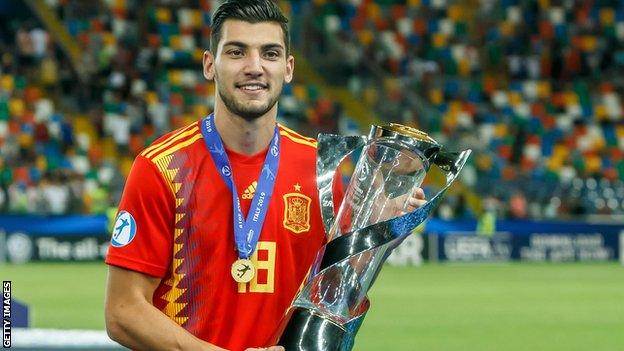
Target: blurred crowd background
(533, 87)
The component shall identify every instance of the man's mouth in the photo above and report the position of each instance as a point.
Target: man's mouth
(252, 86)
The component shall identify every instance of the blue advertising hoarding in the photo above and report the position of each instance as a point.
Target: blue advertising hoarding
(556, 241)
(80, 238)
(53, 238)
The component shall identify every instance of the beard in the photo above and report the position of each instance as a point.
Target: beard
(247, 112)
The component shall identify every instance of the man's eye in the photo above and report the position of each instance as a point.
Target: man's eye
(272, 54)
(235, 52)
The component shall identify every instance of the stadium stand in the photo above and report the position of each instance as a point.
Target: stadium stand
(69, 133)
(533, 87)
(541, 117)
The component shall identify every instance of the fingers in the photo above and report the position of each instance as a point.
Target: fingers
(415, 203)
(419, 193)
(398, 206)
(272, 348)
(416, 200)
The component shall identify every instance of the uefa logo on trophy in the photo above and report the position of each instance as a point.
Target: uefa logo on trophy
(371, 221)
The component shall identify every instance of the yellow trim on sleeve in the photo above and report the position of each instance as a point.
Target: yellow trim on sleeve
(296, 137)
(295, 134)
(177, 147)
(153, 149)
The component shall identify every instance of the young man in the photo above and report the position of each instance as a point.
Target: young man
(185, 272)
(219, 221)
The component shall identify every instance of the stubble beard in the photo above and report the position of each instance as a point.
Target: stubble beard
(249, 113)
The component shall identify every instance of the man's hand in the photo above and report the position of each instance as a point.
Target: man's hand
(416, 200)
(397, 206)
(272, 348)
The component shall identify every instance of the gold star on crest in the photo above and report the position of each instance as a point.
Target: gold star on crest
(297, 187)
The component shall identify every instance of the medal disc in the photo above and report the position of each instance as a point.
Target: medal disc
(243, 270)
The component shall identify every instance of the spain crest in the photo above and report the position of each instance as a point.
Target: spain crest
(297, 212)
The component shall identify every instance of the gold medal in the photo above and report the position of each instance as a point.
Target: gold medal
(243, 270)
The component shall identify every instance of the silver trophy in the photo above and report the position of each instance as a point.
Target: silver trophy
(371, 221)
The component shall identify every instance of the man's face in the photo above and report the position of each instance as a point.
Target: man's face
(250, 67)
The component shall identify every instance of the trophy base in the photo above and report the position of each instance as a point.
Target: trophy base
(303, 330)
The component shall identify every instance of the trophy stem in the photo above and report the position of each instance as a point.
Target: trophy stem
(304, 330)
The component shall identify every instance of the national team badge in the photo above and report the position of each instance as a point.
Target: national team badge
(124, 229)
(297, 212)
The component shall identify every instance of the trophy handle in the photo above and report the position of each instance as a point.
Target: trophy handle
(331, 150)
(450, 162)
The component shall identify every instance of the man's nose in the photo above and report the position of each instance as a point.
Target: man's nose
(253, 64)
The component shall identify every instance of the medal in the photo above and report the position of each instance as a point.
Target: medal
(243, 270)
(246, 230)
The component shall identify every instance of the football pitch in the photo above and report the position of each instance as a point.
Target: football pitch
(447, 307)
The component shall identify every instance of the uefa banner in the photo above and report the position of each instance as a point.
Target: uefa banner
(86, 238)
(53, 238)
(532, 241)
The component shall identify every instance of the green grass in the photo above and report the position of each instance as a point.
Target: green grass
(497, 307)
(507, 307)
(60, 295)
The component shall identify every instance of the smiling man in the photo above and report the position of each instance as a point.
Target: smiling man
(249, 71)
(225, 213)
(221, 219)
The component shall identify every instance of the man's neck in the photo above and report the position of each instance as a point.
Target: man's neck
(243, 136)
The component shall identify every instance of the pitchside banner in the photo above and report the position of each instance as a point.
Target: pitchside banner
(86, 238)
(53, 238)
(553, 241)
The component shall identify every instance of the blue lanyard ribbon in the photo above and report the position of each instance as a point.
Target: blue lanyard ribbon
(246, 231)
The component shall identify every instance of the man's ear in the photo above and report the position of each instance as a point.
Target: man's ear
(208, 62)
(290, 69)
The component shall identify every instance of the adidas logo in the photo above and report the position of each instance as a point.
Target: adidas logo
(249, 193)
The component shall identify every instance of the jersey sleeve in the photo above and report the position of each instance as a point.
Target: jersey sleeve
(147, 209)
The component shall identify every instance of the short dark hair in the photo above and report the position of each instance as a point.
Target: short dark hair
(252, 11)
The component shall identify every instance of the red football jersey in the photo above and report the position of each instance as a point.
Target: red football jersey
(175, 222)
